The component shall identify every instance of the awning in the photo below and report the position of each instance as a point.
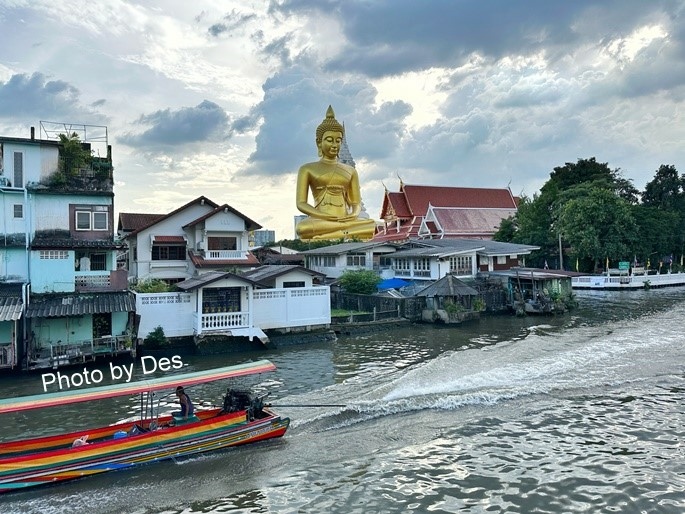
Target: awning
(10, 309)
(66, 305)
(177, 240)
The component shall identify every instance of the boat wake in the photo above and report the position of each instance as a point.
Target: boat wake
(539, 364)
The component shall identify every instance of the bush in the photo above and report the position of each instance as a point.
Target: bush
(156, 339)
(153, 285)
(360, 281)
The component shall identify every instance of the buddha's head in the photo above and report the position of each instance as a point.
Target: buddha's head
(329, 124)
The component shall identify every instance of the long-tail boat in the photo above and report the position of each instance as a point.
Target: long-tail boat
(36, 461)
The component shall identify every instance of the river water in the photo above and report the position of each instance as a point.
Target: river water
(575, 413)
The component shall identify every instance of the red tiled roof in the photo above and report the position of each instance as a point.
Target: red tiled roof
(400, 205)
(129, 221)
(432, 227)
(470, 222)
(418, 198)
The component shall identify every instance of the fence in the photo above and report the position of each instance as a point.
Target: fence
(382, 306)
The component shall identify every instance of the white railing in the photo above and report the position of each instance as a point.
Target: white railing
(224, 321)
(225, 254)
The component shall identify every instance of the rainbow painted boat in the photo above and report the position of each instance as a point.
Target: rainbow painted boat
(39, 461)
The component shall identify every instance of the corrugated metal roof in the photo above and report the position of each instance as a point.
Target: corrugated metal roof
(205, 279)
(10, 309)
(276, 270)
(449, 285)
(76, 305)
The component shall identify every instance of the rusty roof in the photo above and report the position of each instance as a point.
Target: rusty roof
(51, 306)
(200, 262)
(129, 221)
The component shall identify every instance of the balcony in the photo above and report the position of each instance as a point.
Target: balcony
(221, 321)
(100, 281)
(225, 254)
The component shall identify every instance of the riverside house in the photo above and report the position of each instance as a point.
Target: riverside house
(63, 300)
(204, 249)
(419, 259)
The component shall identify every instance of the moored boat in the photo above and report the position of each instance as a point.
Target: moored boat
(37, 461)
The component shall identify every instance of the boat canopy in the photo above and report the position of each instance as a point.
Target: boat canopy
(39, 401)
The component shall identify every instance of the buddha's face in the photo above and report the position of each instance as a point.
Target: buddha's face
(330, 144)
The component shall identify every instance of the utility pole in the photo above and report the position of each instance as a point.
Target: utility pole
(561, 255)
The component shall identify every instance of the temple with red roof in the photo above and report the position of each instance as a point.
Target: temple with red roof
(439, 212)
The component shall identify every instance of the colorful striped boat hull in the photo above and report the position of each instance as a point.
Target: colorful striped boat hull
(48, 460)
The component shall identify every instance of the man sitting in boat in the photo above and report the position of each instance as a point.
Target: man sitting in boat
(187, 408)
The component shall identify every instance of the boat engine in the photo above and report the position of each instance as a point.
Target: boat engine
(237, 400)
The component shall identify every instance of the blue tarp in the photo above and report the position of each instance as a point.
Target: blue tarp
(392, 283)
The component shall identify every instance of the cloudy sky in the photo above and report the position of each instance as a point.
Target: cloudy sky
(221, 98)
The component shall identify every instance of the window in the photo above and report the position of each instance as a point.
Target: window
(99, 221)
(294, 284)
(402, 264)
(98, 262)
(461, 265)
(221, 299)
(222, 243)
(18, 169)
(501, 259)
(87, 220)
(168, 252)
(87, 261)
(422, 264)
(356, 259)
(325, 261)
(53, 254)
(18, 210)
(385, 262)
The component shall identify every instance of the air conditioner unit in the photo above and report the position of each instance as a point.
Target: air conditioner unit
(201, 246)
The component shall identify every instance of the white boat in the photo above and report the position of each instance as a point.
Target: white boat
(616, 280)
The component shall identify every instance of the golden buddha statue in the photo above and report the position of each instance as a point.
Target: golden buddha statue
(335, 189)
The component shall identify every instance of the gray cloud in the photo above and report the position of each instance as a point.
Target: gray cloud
(295, 102)
(387, 37)
(36, 96)
(230, 22)
(205, 122)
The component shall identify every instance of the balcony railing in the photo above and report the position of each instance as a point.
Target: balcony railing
(100, 281)
(225, 254)
(218, 321)
(53, 355)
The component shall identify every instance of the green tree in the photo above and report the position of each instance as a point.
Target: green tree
(507, 230)
(537, 220)
(665, 190)
(359, 281)
(599, 224)
(72, 154)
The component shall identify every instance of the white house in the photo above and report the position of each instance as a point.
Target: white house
(419, 259)
(334, 260)
(198, 237)
(204, 249)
